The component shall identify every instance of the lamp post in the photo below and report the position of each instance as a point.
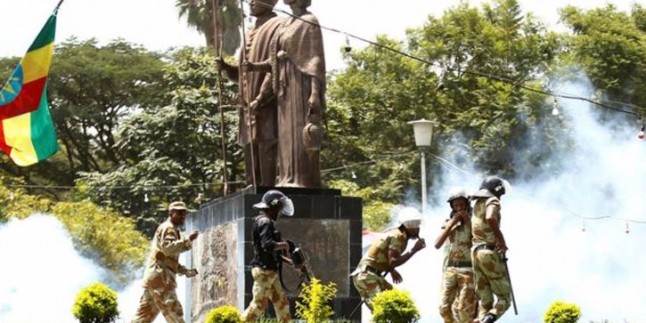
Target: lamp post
(423, 135)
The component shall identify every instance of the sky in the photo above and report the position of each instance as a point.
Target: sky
(155, 23)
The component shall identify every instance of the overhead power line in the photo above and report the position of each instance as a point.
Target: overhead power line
(471, 71)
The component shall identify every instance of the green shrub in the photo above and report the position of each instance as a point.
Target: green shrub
(96, 303)
(316, 297)
(224, 314)
(561, 312)
(394, 306)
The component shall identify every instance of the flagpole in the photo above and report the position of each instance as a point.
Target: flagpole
(217, 46)
(58, 6)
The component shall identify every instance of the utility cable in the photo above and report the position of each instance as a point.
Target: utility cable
(467, 71)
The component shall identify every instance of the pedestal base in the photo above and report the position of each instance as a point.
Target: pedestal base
(326, 225)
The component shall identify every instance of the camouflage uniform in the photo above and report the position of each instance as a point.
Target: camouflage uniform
(159, 276)
(367, 277)
(265, 272)
(490, 274)
(458, 299)
(266, 287)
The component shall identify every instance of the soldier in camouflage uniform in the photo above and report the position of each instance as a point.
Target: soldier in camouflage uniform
(163, 264)
(268, 250)
(458, 299)
(387, 253)
(489, 249)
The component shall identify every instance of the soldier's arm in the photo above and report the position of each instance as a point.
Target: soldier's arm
(267, 241)
(446, 231)
(266, 235)
(396, 259)
(173, 246)
(492, 216)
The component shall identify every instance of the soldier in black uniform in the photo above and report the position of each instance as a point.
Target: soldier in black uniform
(268, 250)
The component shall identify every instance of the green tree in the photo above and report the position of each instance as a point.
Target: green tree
(562, 312)
(173, 151)
(472, 64)
(96, 303)
(16, 203)
(199, 15)
(106, 237)
(610, 46)
(92, 89)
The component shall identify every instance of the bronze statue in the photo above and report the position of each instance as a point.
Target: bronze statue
(260, 164)
(298, 67)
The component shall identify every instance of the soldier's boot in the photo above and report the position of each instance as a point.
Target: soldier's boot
(489, 318)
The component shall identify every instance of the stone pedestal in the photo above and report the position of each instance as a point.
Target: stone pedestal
(326, 225)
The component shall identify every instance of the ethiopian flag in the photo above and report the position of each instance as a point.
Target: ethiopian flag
(27, 132)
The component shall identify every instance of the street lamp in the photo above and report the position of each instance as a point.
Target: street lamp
(423, 135)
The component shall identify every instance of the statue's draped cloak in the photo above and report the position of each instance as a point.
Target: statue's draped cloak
(302, 41)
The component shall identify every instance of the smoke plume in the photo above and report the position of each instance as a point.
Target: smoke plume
(573, 236)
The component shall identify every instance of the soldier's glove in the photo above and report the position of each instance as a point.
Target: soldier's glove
(292, 245)
(191, 272)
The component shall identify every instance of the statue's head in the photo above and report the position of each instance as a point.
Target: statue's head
(259, 7)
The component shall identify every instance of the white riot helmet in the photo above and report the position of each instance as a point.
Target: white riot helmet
(456, 193)
(409, 217)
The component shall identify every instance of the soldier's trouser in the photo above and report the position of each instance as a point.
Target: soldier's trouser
(491, 278)
(369, 284)
(266, 287)
(162, 300)
(458, 297)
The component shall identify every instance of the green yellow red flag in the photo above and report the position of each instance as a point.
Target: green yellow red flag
(27, 132)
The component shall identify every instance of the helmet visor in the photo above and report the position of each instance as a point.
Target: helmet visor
(506, 185)
(288, 206)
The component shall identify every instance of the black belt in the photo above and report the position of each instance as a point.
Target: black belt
(485, 247)
(458, 263)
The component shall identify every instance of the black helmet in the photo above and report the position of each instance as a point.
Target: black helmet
(275, 199)
(492, 186)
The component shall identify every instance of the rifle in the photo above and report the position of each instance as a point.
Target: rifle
(299, 260)
(363, 301)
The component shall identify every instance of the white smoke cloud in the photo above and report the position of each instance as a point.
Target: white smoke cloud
(551, 256)
(41, 273)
